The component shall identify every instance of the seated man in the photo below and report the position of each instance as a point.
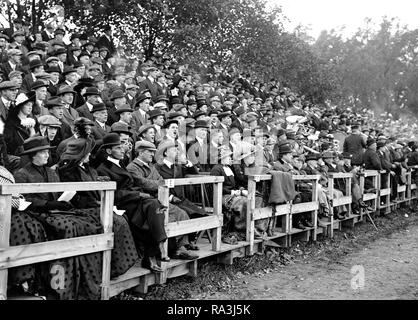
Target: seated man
(148, 179)
(145, 214)
(175, 166)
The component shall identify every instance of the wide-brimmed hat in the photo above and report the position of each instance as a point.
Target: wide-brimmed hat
(172, 115)
(38, 84)
(370, 141)
(23, 98)
(77, 149)
(198, 114)
(35, 144)
(141, 98)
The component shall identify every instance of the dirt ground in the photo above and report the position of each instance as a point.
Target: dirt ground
(390, 272)
(326, 269)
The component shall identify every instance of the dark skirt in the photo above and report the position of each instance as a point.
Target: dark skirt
(76, 277)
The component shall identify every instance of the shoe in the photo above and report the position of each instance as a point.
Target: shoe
(300, 225)
(308, 224)
(362, 204)
(149, 263)
(191, 246)
(165, 259)
(185, 255)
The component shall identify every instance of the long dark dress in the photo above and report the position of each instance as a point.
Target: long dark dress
(124, 254)
(24, 229)
(71, 278)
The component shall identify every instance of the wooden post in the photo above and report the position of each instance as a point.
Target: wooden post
(314, 214)
(5, 217)
(106, 216)
(331, 194)
(250, 211)
(217, 210)
(163, 197)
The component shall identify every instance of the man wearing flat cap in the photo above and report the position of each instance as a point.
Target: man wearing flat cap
(8, 93)
(13, 63)
(150, 82)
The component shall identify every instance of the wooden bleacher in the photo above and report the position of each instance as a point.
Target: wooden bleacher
(211, 248)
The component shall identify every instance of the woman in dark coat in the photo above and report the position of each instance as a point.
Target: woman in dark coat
(81, 275)
(74, 166)
(24, 229)
(20, 124)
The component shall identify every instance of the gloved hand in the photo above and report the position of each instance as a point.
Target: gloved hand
(175, 200)
(58, 205)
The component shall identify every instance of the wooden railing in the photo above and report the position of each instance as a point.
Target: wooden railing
(284, 211)
(14, 256)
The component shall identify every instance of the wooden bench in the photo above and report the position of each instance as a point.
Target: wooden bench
(140, 277)
(285, 211)
(384, 204)
(311, 206)
(14, 256)
(346, 200)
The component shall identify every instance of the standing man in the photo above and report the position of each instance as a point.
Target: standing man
(354, 144)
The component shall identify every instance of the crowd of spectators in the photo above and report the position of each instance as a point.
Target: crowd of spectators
(90, 111)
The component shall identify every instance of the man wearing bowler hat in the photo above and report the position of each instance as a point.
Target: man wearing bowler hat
(36, 67)
(92, 96)
(100, 128)
(197, 150)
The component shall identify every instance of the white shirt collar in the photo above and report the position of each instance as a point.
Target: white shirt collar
(6, 102)
(114, 161)
(199, 140)
(101, 124)
(168, 163)
(89, 105)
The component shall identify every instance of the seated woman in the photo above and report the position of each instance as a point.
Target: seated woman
(61, 221)
(74, 167)
(24, 229)
(19, 124)
(234, 198)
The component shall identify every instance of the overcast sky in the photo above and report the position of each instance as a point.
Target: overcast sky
(328, 14)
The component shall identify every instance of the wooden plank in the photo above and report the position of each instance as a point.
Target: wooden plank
(341, 201)
(179, 228)
(263, 213)
(340, 175)
(5, 218)
(191, 181)
(384, 192)
(24, 188)
(369, 196)
(306, 177)
(413, 186)
(401, 188)
(52, 250)
(304, 207)
(259, 177)
(369, 173)
(163, 197)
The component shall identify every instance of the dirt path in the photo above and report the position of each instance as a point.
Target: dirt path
(390, 272)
